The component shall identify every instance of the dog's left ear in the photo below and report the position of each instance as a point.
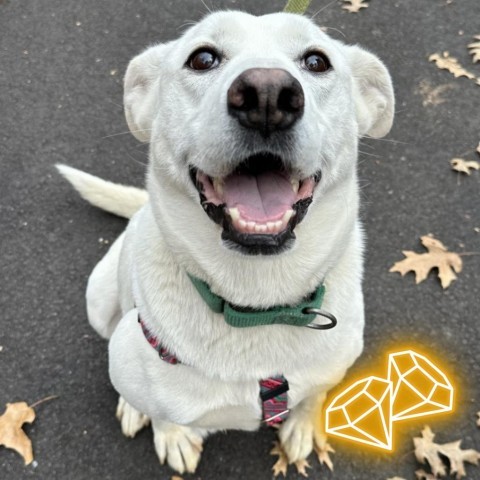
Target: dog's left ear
(140, 90)
(373, 92)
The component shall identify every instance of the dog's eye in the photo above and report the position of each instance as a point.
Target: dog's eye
(316, 62)
(203, 59)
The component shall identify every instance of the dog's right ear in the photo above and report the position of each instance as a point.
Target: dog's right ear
(373, 92)
(139, 97)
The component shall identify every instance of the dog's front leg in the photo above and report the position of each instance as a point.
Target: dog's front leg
(179, 446)
(305, 430)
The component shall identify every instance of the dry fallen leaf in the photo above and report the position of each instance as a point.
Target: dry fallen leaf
(427, 450)
(355, 5)
(437, 257)
(323, 455)
(478, 419)
(446, 62)
(396, 478)
(11, 433)
(281, 465)
(464, 166)
(474, 49)
(176, 477)
(433, 95)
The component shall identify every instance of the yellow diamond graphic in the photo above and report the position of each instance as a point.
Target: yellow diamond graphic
(362, 413)
(418, 386)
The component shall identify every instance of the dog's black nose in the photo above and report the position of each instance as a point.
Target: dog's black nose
(266, 99)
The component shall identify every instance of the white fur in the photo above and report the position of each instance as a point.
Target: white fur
(120, 200)
(183, 115)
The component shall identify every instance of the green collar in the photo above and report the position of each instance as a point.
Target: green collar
(235, 316)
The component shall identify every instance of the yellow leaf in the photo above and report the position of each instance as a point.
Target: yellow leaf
(474, 49)
(427, 450)
(464, 166)
(302, 466)
(11, 433)
(355, 5)
(323, 455)
(437, 257)
(446, 62)
(281, 465)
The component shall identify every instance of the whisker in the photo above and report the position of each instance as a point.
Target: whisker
(390, 140)
(369, 154)
(125, 133)
(190, 23)
(335, 30)
(323, 8)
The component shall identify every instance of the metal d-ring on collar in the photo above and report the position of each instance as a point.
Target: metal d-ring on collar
(322, 313)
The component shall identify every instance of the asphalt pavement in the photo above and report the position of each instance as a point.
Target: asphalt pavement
(61, 68)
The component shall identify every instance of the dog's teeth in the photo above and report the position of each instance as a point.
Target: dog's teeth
(234, 213)
(287, 216)
(218, 185)
(278, 225)
(270, 226)
(251, 226)
(295, 184)
(243, 224)
(260, 229)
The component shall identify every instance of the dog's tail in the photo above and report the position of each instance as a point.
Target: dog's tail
(118, 199)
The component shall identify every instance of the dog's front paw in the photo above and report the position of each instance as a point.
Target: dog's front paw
(180, 446)
(131, 420)
(304, 431)
(296, 437)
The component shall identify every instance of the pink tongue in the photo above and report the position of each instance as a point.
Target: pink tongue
(260, 198)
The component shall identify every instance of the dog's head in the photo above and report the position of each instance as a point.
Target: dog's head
(253, 119)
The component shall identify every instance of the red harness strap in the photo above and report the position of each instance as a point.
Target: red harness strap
(273, 390)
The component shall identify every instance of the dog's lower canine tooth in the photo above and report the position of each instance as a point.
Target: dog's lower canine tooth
(287, 216)
(234, 213)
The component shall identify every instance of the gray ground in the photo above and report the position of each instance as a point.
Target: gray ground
(61, 65)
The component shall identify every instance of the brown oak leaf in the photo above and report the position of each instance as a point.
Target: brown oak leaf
(474, 49)
(445, 62)
(464, 166)
(323, 455)
(11, 433)
(437, 257)
(427, 450)
(433, 95)
(355, 5)
(281, 465)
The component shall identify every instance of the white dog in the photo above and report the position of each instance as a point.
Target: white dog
(252, 208)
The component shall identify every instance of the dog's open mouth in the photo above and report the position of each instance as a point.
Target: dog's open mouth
(258, 205)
